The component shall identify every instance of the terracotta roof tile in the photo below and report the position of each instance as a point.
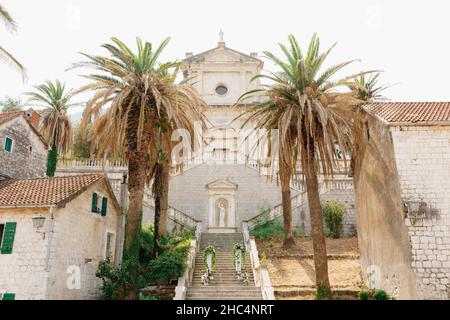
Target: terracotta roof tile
(44, 191)
(8, 116)
(411, 112)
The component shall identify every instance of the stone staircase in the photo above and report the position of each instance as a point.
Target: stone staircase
(225, 285)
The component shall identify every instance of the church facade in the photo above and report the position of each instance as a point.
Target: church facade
(223, 185)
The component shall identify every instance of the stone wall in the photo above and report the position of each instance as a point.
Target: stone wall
(301, 218)
(23, 272)
(22, 163)
(383, 238)
(422, 154)
(188, 193)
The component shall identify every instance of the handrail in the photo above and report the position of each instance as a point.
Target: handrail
(277, 211)
(260, 273)
(65, 163)
(298, 200)
(182, 218)
(186, 279)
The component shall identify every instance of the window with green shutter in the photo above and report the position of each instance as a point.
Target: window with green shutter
(9, 296)
(94, 202)
(8, 237)
(104, 206)
(8, 144)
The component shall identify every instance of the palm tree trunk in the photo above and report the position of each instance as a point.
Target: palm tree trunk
(157, 195)
(52, 160)
(285, 178)
(317, 233)
(163, 229)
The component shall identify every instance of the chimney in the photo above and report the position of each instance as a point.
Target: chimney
(124, 193)
(189, 54)
(33, 117)
(254, 54)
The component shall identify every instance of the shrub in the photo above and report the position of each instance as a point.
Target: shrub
(266, 228)
(374, 295)
(333, 214)
(169, 265)
(381, 295)
(363, 295)
(118, 282)
(133, 274)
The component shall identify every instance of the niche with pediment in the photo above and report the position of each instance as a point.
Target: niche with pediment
(222, 206)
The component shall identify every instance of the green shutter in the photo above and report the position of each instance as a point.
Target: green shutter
(8, 144)
(104, 206)
(9, 296)
(8, 237)
(94, 202)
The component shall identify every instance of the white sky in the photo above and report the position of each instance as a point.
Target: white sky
(408, 39)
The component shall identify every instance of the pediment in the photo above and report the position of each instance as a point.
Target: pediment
(222, 184)
(222, 55)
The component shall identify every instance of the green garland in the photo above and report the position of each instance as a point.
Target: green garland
(238, 247)
(209, 250)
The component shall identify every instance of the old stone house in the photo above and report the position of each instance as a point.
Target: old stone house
(53, 234)
(23, 151)
(403, 198)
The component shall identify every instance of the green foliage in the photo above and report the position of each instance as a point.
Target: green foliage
(136, 272)
(333, 214)
(168, 265)
(52, 161)
(149, 298)
(118, 282)
(374, 295)
(81, 147)
(363, 295)
(323, 293)
(266, 228)
(381, 295)
(367, 88)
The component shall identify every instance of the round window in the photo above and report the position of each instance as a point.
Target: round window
(221, 90)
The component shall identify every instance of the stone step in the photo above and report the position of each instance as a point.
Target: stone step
(236, 281)
(225, 285)
(229, 293)
(223, 298)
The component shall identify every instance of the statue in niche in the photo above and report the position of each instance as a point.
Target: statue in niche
(222, 214)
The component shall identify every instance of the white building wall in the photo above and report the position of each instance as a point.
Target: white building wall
(78, 241)
(423, 162)
(23, 272)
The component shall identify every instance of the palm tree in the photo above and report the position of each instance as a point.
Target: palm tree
(307, 113)
(367, 89)
(55, 125)
(142, 101)
(11, 25)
